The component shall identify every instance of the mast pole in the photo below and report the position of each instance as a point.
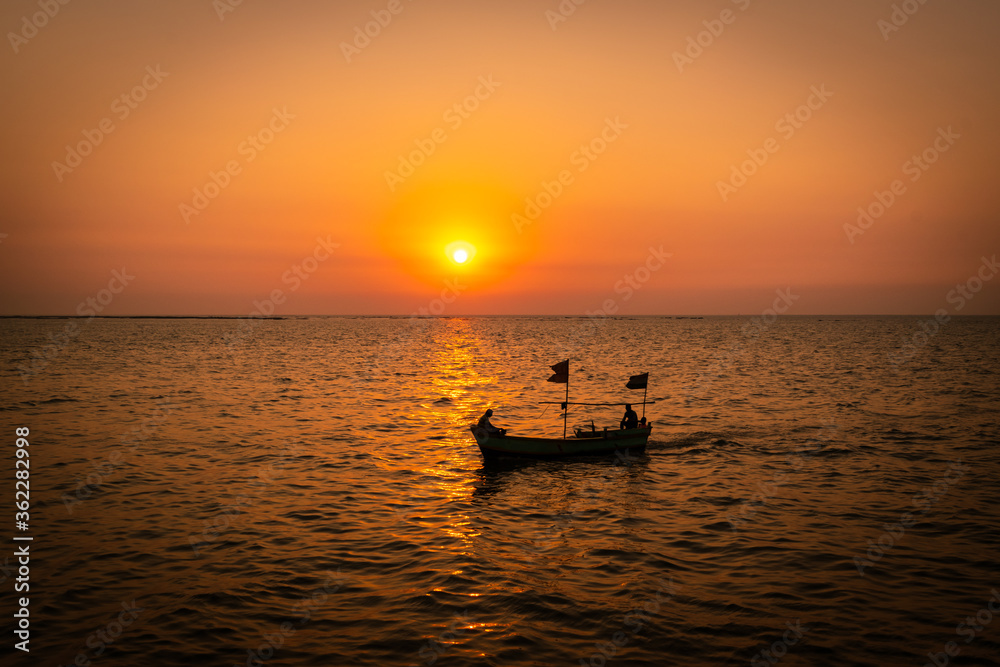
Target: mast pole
(644, 398)
(566, 409)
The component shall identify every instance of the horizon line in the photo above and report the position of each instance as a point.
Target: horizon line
(452, 317)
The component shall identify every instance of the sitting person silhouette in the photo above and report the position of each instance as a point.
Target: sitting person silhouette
(630, 420)
(484, 423)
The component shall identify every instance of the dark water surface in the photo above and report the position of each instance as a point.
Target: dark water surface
(306, 492)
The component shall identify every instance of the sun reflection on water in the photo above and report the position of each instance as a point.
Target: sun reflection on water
(453, 404)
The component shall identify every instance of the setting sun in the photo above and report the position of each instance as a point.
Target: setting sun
(460, 252)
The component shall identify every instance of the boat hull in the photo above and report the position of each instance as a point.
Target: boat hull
(498, 446)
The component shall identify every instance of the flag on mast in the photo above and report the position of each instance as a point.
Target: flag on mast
(561, 371)
(637, 381)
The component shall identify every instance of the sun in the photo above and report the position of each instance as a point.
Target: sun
(460, 252)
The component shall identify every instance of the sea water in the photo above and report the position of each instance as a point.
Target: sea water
(305, 491)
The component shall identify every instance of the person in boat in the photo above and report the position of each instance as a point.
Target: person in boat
(631, 419)
(484, 423)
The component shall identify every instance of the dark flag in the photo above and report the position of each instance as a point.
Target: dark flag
(561, 371)
(637, 381)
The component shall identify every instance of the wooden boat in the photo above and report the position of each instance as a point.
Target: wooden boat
(584, 442)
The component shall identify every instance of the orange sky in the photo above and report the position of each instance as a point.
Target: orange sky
(358, 143)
